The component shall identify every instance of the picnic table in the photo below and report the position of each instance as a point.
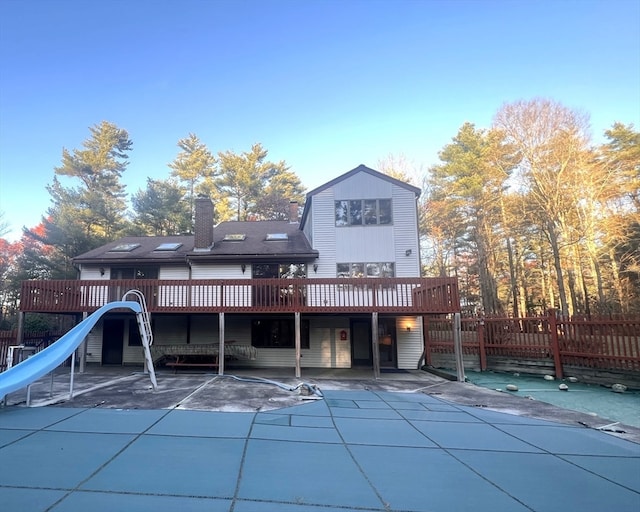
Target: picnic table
(200, 354)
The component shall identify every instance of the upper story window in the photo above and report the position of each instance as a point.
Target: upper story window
(365, 269)
(363, 212)
(134, 273)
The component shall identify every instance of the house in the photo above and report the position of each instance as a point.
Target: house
(337, 287)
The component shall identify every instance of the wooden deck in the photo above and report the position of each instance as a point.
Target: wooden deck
(413, 296)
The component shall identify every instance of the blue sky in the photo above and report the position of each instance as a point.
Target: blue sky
(324, 86)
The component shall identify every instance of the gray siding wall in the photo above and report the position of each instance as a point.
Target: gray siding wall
(324, 237)
(367, 244)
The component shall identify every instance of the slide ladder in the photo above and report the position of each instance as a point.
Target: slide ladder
(144, 325)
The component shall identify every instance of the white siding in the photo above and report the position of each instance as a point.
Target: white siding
(94, 344)
(366, 244)
(209, 295)
(405, 227)
(324, 237)
(219, 271)
(362, 185)
(95, 296)
(173, 272)
(410, 343)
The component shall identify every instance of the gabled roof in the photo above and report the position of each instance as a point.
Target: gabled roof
(368, 170)
(254, 247)
(347, 175)
(145, 252)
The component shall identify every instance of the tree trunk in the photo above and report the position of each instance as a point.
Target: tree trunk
(553, 240)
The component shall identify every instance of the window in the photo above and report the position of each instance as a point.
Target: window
(234, 237)
(359, 212)
(277, 236)
(278, 333)
(168, 246)
(365, 269)
(124, 248)
(279, 270)
(134, 273)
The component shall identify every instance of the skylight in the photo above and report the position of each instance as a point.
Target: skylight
(234, 237)
(277, 236)
(168, 246)
(124, 248)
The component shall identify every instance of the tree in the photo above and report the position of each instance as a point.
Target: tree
(620, 156)
(160, 209)
(194, 165)
(93, 212)
(552, 140)
(468, 186)
(244, 178)
(283, 187)
(101, 198)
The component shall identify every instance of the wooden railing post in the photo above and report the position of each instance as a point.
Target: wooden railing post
(481, 349)
(555, 345)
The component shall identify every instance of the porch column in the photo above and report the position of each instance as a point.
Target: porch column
(83, 349)
(221, 343)
(298, 351)
(374, 345)
(457, 347)
(20, 332)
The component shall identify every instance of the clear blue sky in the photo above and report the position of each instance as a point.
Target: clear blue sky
(324, 86)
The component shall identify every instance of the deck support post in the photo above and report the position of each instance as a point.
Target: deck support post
(82, 350)
(298, 351)
(457, 346)
(20, 333)
(221, 342)
(374, 345)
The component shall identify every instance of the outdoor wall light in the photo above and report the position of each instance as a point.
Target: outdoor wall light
(315, 267)
(101, 271)
(243, 267)
(407, 252)
(408, 328)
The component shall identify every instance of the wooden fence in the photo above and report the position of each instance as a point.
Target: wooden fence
(32, 341)
(546, 343)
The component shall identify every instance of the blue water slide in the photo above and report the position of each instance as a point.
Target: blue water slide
(45, 361)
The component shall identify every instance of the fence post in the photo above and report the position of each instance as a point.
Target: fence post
(555, 345)
(481, 349)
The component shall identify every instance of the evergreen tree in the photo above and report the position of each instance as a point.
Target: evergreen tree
(160, 209)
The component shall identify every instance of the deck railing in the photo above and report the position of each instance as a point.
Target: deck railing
(388, 295)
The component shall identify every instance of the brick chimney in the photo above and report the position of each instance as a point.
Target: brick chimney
(203, 224)
(293, 212)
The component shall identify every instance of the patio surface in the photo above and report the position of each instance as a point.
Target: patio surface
(404, 442)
